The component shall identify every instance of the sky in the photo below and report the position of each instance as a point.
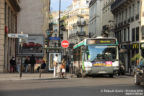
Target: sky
(64, 4)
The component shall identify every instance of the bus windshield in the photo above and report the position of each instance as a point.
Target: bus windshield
(102, 53)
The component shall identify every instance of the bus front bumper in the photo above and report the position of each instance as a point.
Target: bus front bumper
(101, 70)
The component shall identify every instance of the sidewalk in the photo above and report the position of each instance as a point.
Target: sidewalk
(29, 76)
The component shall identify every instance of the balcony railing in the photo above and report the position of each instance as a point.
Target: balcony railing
(81, 23)
(72, 35)
(117, 3)
(82, 33)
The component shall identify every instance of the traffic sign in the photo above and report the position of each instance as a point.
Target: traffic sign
(65, 44)
(18, 35)
(54, 38)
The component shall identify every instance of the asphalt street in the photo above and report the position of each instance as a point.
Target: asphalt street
(91, 86)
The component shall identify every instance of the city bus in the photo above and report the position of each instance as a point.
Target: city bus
(94, 56)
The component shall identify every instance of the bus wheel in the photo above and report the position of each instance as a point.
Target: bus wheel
(111, 75)
(79, 75)
(136, 81)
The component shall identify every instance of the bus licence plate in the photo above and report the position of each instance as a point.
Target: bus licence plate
(102, 72)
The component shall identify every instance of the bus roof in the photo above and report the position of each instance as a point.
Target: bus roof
(98, 38)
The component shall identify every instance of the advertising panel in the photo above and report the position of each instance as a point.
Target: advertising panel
(51, 61)
(33, 45)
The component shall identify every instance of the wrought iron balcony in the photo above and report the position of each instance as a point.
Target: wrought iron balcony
(72, 35)
(81, 33)
(81, 23)
(117, 3)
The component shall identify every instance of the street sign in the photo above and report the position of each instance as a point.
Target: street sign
(65, 44)
(54, 38)
(18, 35)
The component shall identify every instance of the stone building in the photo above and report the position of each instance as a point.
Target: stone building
(95, 18)
(129, 29)
(107, 18)
(77, 20)
(34, 21)
(34, 16)
(9, 10)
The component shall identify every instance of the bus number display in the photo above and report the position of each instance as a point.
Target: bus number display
(101, 41)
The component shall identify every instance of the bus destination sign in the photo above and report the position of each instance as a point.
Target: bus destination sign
(101, 41)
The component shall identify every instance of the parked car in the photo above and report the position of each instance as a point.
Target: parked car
(31, 44)
(25, 45)
(38, 45)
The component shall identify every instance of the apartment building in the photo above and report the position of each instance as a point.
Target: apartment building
(34, 21)
(128, 18)
(9, 10)
(34, 16)
(77, 21)
(107, 19)
(95, 18)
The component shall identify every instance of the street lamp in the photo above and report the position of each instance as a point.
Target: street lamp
(21, 51)
(59, 20)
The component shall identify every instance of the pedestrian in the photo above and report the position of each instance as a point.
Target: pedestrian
(63, 69)
(32, 62)
(26, 62)
(55, 63)
(42, 66)
(12, 65)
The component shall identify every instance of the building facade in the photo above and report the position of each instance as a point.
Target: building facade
(34, 21)
(95, 18)
(77, 21)
(9, 10)
(128, 17)
(107, 18)
(53, 37)
(34, 16)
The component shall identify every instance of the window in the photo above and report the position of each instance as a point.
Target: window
(125, 35)
(133, 11)
(142, 32)
(120, 36)
(138, 7)
(87, 2)
(133, 34)
(129, 12)
(137, 34)
(125, 14)
(122, 18)
(128, 34)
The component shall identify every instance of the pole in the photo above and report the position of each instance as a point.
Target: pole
(59, 20)
(21, 58)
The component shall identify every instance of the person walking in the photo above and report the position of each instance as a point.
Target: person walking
(32, 62)
(55, 64)
(26, 62)
(12, 65)
(63, 69)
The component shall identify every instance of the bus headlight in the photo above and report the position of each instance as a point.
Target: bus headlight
(116, 63)
(87, 64)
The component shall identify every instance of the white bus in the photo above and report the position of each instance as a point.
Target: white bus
(96, 56)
